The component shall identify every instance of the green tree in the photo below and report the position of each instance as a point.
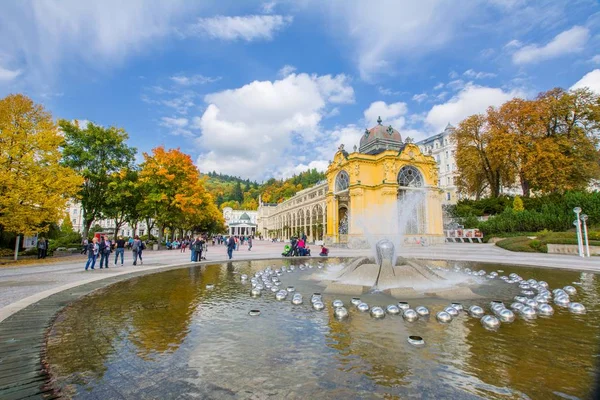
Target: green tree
(237, 195)
(98, 154)
(122, 199)
(518, 204)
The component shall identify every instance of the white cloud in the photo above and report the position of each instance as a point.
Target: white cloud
(438, 86)
(176, 126)
(387, 92)
(7, 75)
(268, 7)
(193, 79)
(261, 127)
(595, 59)
(569, 41)
(286, 70)
(248, 28)
(453, 75)
(40, 35)
(456, 84)
(513, 44)
(420, 97)
(590, 80)
(471, 100)
(382, 31)
(478, 75)
(391, 114)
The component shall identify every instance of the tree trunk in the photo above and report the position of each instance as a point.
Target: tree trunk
(524, 185)
(86, 227)
(17, 242)
(161, 232)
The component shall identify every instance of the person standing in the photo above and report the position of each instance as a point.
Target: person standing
(230, 246)
(84, 244)
(136, 248)
(92, 253)
(46, 247)
(40, 247)
(120, 250)
(104, 248)
(249, 243)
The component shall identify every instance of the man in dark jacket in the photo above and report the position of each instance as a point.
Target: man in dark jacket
(230, 246)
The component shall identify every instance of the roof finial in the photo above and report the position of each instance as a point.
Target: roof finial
(379, 120)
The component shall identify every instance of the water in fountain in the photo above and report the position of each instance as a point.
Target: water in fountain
(384, 228)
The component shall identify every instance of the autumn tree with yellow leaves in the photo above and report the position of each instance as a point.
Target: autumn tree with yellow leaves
(174, 195)
(34, 186)
(546, 145)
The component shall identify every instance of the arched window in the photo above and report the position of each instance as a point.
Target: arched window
(409, 176)
(342, 182)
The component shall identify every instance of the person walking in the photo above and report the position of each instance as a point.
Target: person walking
(104, 249)
(136, 248)
(41, 245)
(84, 245)
(230, 246)
(249, 243)
(92, 251)
(120, 250)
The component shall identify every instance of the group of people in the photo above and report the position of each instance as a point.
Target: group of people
(197, 247)
(103, 247)
(299, 247)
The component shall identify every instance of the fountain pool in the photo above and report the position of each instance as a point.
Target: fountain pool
(172, 334)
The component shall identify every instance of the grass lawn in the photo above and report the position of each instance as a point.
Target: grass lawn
(537, 242)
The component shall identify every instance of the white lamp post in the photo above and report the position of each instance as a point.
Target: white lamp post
(584, 218)
(577, 223)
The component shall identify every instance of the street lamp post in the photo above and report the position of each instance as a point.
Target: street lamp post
(577, 223)
(584, 218)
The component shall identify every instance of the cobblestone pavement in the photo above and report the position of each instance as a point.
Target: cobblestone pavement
(30, 296)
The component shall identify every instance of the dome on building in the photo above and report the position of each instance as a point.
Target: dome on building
(380, 138)
(245, 217)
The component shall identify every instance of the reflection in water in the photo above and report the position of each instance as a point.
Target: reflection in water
(166, 335)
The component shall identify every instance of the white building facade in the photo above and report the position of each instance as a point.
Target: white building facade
(443, 148)
(240, 222)
(304, 213)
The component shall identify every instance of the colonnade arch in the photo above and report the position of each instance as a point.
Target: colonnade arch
(310, 220)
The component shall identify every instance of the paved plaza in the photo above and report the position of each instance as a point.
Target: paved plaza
(30, 296)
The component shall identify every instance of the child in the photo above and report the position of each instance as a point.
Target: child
(324, 251)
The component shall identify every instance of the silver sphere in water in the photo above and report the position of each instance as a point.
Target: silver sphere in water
(355, 301)
(577, 308)
(244, 277)
(490, 322)
(337, 303)
(422, 311)
(545, 309)
(540, 299)
(384, 250)
(255, 292)
(403, 305)
(506, 315)
(297, 299)
(570, 290)
(452, 311)
(341, 312)
(528, 312)
(363, 307)
(281, 295)
(416, 341)
(496, 308)
(410, 315)
(291, 289)
(457, 306)
(527, 292)
(274, 289)
(532, 303)
(517, 306)
(318, 305)
(393, 309)
(521, 299)
(377, 312)
(476, 311)
(443, 317)
(562, 301)
(543, 284)
(558, 292)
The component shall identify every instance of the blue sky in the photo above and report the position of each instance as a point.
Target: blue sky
(269, 88)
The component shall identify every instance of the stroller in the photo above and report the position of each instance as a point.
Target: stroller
(287, 251)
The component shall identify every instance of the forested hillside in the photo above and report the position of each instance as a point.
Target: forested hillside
(237, 193)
